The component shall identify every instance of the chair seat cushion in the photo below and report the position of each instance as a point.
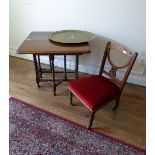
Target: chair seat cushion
(94, 91)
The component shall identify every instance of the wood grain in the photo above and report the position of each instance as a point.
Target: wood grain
(128, 123)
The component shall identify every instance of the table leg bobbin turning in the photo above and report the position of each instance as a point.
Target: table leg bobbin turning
(36, 69)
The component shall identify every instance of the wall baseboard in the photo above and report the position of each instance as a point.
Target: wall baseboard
(134, 78)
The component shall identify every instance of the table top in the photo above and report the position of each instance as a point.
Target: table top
(39, 43)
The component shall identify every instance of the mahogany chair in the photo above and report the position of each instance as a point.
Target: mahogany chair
(96, 90)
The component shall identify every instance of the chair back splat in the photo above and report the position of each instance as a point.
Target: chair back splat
(112, 72)
(96, 91)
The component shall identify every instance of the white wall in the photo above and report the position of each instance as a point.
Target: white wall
(122, 21)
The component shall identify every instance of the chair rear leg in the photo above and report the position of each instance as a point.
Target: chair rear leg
(91, 120)
(117, 103)
(71, 97)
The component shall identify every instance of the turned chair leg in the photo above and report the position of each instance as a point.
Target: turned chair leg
(117, 103)
(91, 120)
(71, 97)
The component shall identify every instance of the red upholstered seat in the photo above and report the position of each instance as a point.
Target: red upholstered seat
(93, 91)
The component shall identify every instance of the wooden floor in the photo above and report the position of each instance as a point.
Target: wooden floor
(128, 123)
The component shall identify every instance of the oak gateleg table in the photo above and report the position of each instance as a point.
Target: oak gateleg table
(38, 43)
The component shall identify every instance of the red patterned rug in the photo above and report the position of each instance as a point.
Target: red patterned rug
(33, 131)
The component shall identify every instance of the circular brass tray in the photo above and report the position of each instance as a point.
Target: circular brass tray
(72, 36)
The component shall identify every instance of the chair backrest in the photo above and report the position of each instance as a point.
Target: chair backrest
(111, 73)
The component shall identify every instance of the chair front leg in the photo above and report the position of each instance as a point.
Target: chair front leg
(117, 103)
(71, 97)
(91, 120)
